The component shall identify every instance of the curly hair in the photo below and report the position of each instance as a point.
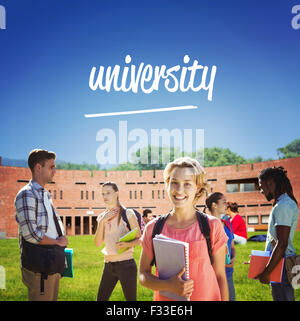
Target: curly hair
(282, 182)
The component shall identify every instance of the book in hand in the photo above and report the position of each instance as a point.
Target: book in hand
(258, 262)
(171, 256)
(128, 237)
(68, 271)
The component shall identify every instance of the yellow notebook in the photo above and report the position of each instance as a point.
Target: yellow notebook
(128, 237)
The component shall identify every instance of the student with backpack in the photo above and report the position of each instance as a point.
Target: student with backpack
(185, 182)
(216, 203)
(113, 223)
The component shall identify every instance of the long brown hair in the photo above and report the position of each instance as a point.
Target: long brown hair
(114, 186)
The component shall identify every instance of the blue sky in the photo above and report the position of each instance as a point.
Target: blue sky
(49, 47)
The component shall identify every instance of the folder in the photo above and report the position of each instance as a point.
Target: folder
(171, 256)
(68, 271)
(128, 237)
(258, 262)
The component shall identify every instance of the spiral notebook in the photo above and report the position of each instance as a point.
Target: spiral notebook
(171, 256)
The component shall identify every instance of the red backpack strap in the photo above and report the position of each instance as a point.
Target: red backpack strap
(228, 225)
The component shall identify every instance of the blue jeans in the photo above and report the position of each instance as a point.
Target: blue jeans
(231, 289)
(282, 291)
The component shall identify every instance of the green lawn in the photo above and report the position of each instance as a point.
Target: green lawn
(88, 265)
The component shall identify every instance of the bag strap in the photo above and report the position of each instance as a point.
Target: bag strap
(158, 226)
(59, 232)
(228, 224)
(124, 217)
(205, 230)
(138, 217)
(58, 229)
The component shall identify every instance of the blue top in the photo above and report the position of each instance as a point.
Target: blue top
(229, 270)
(285, 212)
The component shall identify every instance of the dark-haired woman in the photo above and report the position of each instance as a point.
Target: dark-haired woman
(216, 203)
(238, 224)
(110, 228)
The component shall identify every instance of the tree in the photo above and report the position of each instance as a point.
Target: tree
(217, 156)
(124, 167)
(290, 150)
(73, 166)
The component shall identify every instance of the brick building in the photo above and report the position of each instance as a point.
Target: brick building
(77, 194)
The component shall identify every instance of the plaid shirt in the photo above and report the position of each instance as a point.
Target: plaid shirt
(31, 213)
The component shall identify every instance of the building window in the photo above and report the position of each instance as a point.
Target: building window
(55, 194)
(232, 188)
(247, 187)
(93, 195)
(141, 195)
(242, 185)
(22, 181)
(82, 195)
(130, 194)
(61, 195)
(87, 195)
(158, 194)
(264, 219)
(135, 196)
(153, 195)
(163, 194)
(253, 219)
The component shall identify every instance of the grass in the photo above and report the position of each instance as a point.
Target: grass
(88, 266)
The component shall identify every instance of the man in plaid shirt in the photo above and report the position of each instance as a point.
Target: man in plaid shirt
(33, 203)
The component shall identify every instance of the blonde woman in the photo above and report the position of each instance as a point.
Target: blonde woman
(185, 182)
(110, 228)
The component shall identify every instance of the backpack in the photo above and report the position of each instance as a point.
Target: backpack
(125, 219)
(258, 238)
(204, 228)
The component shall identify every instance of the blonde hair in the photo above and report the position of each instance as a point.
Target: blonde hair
(199, 173)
